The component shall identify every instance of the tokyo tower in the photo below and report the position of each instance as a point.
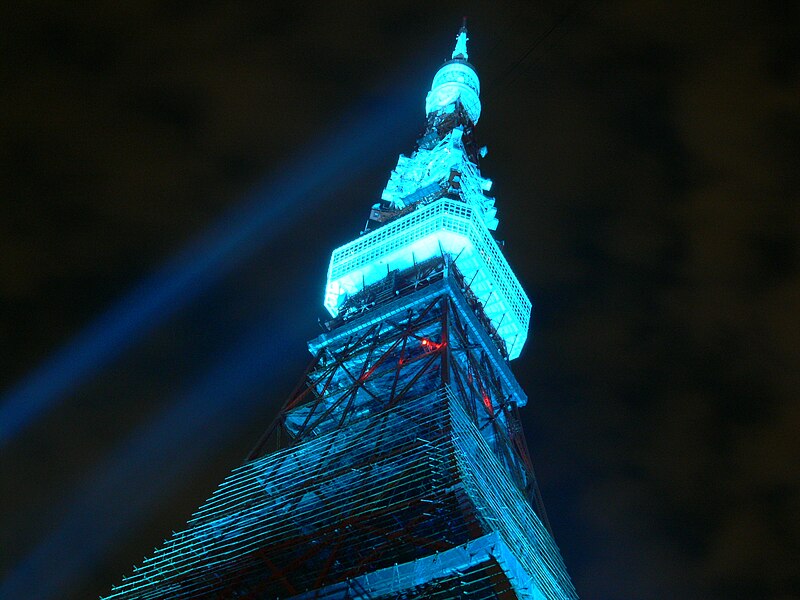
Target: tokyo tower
(398, 467)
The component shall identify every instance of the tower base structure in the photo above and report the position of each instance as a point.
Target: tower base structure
(380, 487)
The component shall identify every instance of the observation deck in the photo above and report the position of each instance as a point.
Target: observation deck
(445, 226)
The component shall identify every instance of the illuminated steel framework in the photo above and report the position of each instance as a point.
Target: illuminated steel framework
(398, 467)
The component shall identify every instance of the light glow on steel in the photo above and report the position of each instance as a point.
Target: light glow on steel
(449, 226)
(443, 206)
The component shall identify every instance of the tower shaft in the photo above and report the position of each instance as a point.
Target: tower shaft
(398, 467)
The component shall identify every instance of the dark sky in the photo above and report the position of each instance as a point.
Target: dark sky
(645, 165)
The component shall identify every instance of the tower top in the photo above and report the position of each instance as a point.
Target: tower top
(436, 203)
(456, 80)
(460, 51)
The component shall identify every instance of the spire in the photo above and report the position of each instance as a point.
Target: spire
(456, 80)
(460, 50)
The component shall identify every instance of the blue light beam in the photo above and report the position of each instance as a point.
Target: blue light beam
(153, 462)
(303, 183)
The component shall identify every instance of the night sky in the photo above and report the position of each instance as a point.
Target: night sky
(645, 160)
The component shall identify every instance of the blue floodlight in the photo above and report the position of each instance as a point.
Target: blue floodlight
(275, 204)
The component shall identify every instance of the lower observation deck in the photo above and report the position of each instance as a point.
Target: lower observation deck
(444, 226)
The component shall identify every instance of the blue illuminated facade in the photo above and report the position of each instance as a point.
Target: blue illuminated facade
(436, 201)
(398, 467)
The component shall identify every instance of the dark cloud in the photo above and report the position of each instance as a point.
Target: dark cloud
(644, 156)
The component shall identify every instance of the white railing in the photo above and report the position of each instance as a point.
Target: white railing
(447, 225)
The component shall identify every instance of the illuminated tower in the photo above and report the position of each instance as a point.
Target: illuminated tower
(398, 467)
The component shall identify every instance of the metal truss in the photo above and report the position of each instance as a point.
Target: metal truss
(432, 333)
(400, 442)
(415, 485)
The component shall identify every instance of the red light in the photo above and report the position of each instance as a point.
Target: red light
(430, 345)
(487, 402)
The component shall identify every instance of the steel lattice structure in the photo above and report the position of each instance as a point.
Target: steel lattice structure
(398, 467)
